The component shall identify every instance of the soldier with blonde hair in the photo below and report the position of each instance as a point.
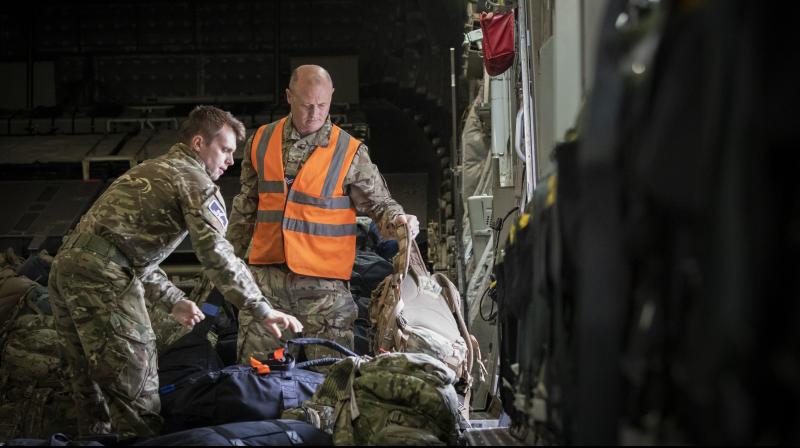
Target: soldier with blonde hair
(109, 265)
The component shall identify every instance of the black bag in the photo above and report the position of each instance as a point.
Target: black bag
(261, 433)
(193, 353)
(36, 268)
(244, 393)
(369, 269)
(361, 326)
(225, 326)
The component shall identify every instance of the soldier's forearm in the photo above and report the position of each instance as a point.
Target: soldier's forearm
(242, 220)
(384, 218)
(158, 287)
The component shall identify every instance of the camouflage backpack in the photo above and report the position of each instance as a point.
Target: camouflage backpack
(34, 394)
(414, 311)
(12, 287)
(393, 399)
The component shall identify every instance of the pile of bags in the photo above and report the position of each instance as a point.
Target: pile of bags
(399, 386)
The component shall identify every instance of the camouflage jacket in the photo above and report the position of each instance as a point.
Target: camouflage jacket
(363, 183)
(148, 211)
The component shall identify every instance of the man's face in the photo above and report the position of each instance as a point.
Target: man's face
(216, 154)
(310, 104)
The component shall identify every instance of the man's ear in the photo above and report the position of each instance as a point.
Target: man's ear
(288, 96)
(196, 142)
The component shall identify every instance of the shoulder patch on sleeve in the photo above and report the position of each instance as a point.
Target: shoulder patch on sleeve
(218, 211)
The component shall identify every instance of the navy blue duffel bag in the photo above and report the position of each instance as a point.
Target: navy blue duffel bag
(243, 393)
(263, 433)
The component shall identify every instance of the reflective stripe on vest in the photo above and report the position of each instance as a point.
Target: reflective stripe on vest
(312, 226)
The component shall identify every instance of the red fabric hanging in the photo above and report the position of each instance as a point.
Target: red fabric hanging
(498, 41)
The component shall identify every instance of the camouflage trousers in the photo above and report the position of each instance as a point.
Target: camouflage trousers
(324, 306)
(108, 344)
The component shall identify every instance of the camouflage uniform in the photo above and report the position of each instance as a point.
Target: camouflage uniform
(324, 306)
(109, 265)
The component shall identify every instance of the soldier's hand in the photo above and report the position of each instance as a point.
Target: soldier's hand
(276, 320)
(187, 313)
(409, 220)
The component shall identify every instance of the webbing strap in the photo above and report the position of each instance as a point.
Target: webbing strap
(97, 245)
(324, 342)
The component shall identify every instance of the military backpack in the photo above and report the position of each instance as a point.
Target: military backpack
(393, 399)
(414, 311)
(34, 394)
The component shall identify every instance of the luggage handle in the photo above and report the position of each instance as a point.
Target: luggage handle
(324, 342)
(317, 362)
(211, 308)
(409, 257)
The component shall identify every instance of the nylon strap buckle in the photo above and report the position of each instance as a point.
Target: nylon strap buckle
(261, 368)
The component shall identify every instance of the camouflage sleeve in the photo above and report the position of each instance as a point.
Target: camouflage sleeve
(369, 193)
(244, 208)
(206, 224)
(158, 287)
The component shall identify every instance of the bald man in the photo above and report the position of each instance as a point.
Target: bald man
(304, 180)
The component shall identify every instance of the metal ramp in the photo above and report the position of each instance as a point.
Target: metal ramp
(492, 437)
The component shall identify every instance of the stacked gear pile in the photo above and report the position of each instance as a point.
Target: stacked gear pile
(33, 391)
(393, 399)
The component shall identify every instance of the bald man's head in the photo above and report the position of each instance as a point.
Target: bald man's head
(312, 74)
(309, 96)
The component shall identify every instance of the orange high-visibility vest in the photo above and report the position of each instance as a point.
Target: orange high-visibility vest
(312, 225)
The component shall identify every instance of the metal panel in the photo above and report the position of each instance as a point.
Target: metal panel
(135, 146)
(591, 16)
(13, 83)
(36, 214)
(411, 191)
(545, 105)
(54, 148)
(155, 145)
(567, 66)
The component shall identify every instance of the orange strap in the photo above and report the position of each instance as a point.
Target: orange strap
(261, 369)
(277, 355)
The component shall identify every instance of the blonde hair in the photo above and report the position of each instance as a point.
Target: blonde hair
(208, 121)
